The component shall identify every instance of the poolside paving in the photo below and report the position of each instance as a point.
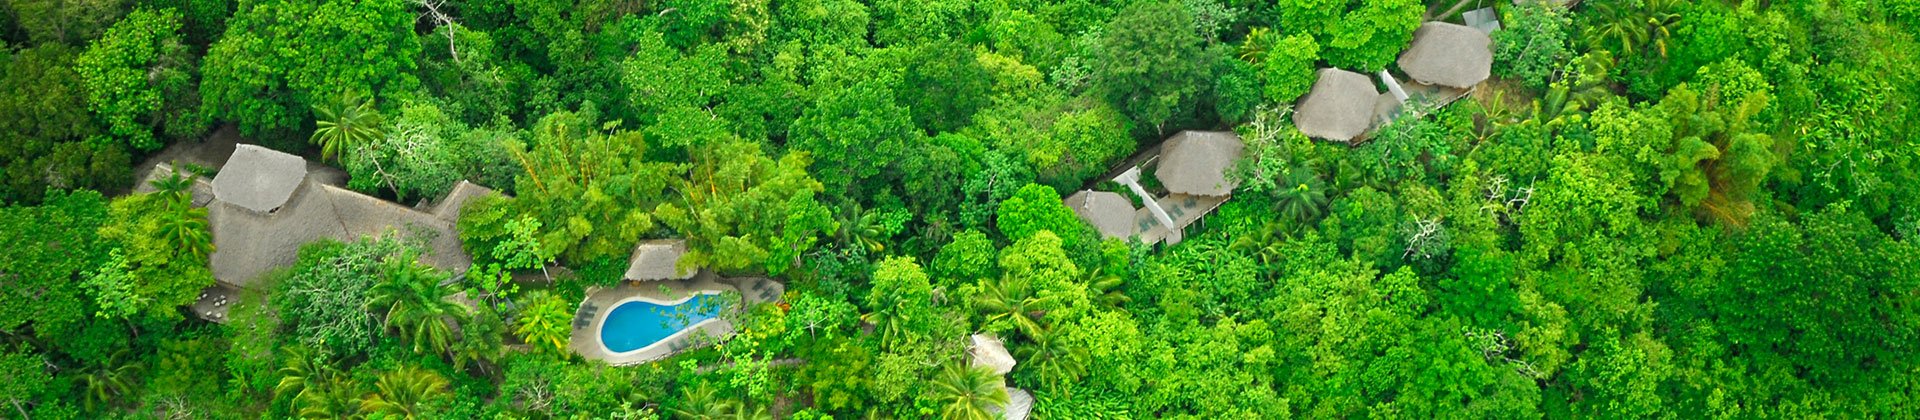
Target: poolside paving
(593, 312)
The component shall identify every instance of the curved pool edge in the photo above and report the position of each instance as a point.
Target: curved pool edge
(600, 321)
(586, 338)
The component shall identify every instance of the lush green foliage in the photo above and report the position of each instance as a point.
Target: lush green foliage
(278, 58)
(1654, 209)
(139, 79)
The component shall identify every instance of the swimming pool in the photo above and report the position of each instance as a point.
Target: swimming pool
(636, 324)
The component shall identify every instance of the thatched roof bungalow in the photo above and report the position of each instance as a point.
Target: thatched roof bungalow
(1196, 162)
(1338, 107)
(1448, 55)
(1109, 213)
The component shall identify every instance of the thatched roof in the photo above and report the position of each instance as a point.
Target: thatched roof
(1108, 212)
(1446, 54)
(363, 215)
(249, 243)
(259, 179)
(1196, 162)
(462, 193)
(1339, 107)
(657, 260)
(1019, 405)
(987, 351)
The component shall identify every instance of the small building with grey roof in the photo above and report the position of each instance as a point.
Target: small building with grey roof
(1447, 54)
(1338, 107)
(1196, 162)
(1109, 212)
(266, 205)
(259, 179)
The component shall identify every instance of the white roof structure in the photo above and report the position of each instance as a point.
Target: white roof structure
(1110, 213)
(1019, 405)
(658, 260)
(1449, 55)
(1339, 107)
(1196, 162)
(987, 351)
(259, 179)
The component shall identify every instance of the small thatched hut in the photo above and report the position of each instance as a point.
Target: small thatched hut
(1108, 212)
(1339, 107)
(1196, 162)
(1450, 55)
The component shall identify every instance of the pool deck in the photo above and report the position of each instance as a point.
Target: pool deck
(593, 312)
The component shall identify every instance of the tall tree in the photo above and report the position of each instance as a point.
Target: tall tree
(1353, 34)
(856, 133)
(140, 79)
(1151, 64)
(279, 57)
(744, 211)
(57, 242)
(47, 128)
(29, 378)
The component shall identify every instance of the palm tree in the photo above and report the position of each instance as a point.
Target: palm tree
(300, 373)
(1616, 23)
(968, 392)
(400, 392)
(109, 381)
(1254, 48)
(178, 184)
(1105, 288)
(312, 385)
(1055, 362)
(346, 124)
(330, 399)
(1661, 20)
(181, 225)
(1583, 87)
(480, 341)
(1633, 25)
(1013, 300)
(418, 305)
(1305, 196)
(702, 402)
(863, 228)
(186, 230)
(544, 323)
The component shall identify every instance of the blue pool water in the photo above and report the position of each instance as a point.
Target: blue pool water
(635, 324)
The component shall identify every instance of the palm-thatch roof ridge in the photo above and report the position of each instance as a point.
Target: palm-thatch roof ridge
(1449, 55)
(1338, 107)
(1196, 162)
(259, 179)
(1110, 213)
